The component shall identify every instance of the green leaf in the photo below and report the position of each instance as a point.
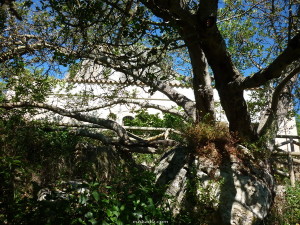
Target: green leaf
(96, 195)
(89, 215)
(109, 213)
(83, 199)
(131, 196)
(119, 222)
(81, 221)
(93, 221)
(105, 201)
(138, 214)
(122, 208)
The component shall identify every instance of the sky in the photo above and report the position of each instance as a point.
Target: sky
(246, 71)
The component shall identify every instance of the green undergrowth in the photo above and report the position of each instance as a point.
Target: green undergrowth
(125, 201)
(286, 208)
(144, 119)
(33, 158)
(202, 200)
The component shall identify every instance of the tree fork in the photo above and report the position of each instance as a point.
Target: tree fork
(225, 72)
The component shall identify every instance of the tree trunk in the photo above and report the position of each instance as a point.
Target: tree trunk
(204, 96)
(232, 99)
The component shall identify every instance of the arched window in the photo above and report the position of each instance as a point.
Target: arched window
(127, 120)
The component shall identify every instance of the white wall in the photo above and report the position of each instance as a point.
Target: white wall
(90, 82)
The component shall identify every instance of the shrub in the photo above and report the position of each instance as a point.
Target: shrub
(292, 209)
(202, 134)
(286, 208)
(119, 204)
(29, 150)
(128, 199)
(144, 119)
(12, 173)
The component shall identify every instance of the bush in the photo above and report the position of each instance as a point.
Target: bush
(12, 173)
(125, 201)
(144, 119)
(28, 150)
(286, 208)
(292, 208)
(29, 158)
(201, 134)
(119, 204)
(47, 153)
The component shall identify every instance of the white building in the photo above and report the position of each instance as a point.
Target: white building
(93, 89)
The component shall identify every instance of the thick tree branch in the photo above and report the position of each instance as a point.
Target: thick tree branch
(202, 84)
(140, 146)
(271, 114)
(201, 29)
(21, 50)
(225, 72)
(275, 69)
(181, 100)
(109, 124)
(143, 104)
(139, 149)
(82, 131)
(174, 11)
(88, 126)
(208, 8)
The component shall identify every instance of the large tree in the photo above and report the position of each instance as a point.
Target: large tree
(228, 45)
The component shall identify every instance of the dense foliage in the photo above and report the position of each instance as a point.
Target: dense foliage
(32, 159)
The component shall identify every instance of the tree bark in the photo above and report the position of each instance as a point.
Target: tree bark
(276, 69)
(109, 124)
(231, 98)
(202, 34)
(203, 90)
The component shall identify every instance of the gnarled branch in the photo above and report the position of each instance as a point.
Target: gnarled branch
(272, 111)
(144, 104)
(276, 69)
(109, 124)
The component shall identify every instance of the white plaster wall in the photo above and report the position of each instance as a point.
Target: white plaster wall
(68, 99)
